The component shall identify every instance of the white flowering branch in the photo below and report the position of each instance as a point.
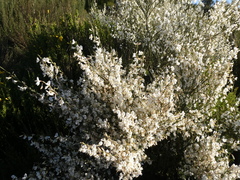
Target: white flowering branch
(113, 116)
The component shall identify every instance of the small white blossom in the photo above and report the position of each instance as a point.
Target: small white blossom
(37, 81)
(21, 88)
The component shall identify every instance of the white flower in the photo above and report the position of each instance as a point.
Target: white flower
(140, 53)
(46, 60)
(21, 88)
(48, 84)
(91, 37)
(37, 81)
(61, 102)
(50, 93)
(73, 42)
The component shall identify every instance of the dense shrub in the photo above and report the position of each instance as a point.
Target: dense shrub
(118, 121)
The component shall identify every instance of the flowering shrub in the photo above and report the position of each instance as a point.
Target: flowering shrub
(114, 115)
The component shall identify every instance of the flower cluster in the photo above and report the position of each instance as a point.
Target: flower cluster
(113, 115)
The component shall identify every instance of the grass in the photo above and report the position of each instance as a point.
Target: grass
(19, 17)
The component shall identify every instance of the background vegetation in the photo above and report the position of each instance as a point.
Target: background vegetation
(31, 28)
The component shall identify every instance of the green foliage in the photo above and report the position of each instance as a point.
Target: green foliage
(220, 110)
(17, 18)
(29, 29)
(55, 41)
(100, 3)
(21, 114)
